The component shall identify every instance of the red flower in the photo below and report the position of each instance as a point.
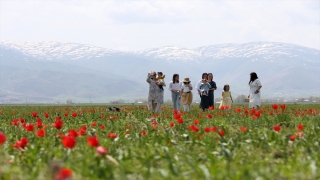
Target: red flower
(180, 121)
(66, 115)
(83, 130)
(74, 114)
(93, 141)
(196, 121)
(238, 110)
(73, 133)
(46, 115)
(175, 111)
(243, 129)
(211, 108)
(58, 124)
(14, 122)
(102, 127)
(283, 106)
(94, 124)
(69, 142)
(28, 127)
(34, 114)
(21, 144)
(39, 123)
(21, 120)
(221, 108)
(3, 138)
(41, 133)
(112, 135)
(207, 129)
(292, 138)
(171, 124)
(226, 107)
(275, 106)
(214, 129)
(277, 128)
(63, 174)
(101, 151)
(246, 111)
(300, 127)
(221, 132)
(143, 133)
(193, 128)
(209, 116)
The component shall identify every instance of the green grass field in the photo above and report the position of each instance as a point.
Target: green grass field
(88, 142)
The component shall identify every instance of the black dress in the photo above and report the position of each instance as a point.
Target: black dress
(211, 95)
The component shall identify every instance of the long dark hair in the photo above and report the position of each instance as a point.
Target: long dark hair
(203, 74)
(253, 76)
(174, 77)
(208, 76)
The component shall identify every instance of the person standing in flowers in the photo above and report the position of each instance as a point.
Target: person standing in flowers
(175, 87)
(186, 94)
(254, 94)
(155, 96)
(226, 98)
(211, 90)
(204, 94)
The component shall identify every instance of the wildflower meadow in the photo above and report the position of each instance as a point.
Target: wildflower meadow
(88, 142)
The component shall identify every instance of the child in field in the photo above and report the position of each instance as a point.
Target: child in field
(226, 98)
(160, 80)
(204, 87)
(186, 94)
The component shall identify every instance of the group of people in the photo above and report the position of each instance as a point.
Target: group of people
(181, 92)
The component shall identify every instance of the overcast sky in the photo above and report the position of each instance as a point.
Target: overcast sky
(138, 25)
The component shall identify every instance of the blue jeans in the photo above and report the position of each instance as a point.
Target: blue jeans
(176, 100)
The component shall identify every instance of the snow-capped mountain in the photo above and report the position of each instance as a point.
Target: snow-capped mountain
(73, 51)
(57, 50)
(53, 69)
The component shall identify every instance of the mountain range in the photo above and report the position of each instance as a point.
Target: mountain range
(51, 71)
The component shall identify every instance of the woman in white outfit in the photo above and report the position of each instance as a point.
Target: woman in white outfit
(255, 94)
(175, 87)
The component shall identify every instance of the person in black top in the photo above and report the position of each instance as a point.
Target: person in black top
(211, 90)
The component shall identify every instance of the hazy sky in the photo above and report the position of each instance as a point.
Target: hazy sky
(138, 25)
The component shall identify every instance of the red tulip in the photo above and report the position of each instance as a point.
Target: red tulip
(63, 174)
(112, 135)
(277, 128)
(93, 141)
(243, 129)
(300, 127)
(283, 106)
(171, 124)
(3, 138)
(21, 144)
(41, 133)
(275, 106)
(69, 142)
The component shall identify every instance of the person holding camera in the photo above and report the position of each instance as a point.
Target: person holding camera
(155, 95)
(175, 87)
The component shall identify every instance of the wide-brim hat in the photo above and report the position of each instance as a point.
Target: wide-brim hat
(186, 79)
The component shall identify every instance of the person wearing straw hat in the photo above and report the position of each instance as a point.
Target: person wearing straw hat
(186, 94)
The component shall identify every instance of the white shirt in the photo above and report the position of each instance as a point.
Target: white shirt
(175, 86)
(186, 88)
(198, 85)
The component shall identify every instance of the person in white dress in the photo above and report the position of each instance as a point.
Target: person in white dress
(254, 94)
